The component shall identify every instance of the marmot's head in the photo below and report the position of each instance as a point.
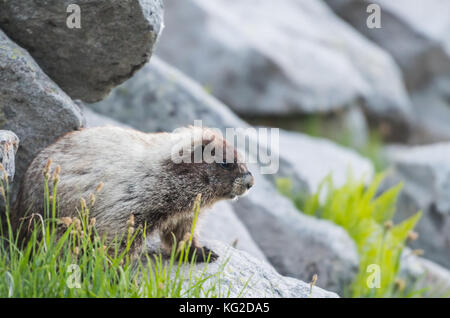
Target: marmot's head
(212, 165)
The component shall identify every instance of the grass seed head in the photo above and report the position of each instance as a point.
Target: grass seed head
(46, 170)
(2, 191)
(56, 174)
(99, 187)
(314, 279)
(130, 222)
(400, 284)
(418, 252)
(388, 225)
(92, 199)
(83, 204)
(412, 236)
(77, 224)
(67, 221)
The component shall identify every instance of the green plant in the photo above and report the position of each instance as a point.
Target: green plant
(65, 257)
(367, 217)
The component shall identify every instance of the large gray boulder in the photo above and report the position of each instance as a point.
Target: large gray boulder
(416, 33)
(31, 105)
(238, 274)
(316, 158)
(159, 98)
(281, 57)
(222, 224)
(419, 44)
(261, 279)
(432, 107)
(425, 171)
(116, 39)
(424, 274)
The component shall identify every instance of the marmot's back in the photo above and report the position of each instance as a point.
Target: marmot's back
(87, 157)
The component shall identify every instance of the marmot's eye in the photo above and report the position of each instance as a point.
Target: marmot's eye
(226, 165)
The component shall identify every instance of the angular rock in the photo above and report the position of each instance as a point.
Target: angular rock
(432, 107)
(222, 224)
(93, 119)
(116, 39)
(159, 98)
(245, 276)
(263, 280)
(31, 105)
(425, 171)
(424, 274)
(420, 45)
(316, 158)
(9, 143)
(267, 57)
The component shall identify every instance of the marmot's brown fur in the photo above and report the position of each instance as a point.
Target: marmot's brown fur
(140, 178)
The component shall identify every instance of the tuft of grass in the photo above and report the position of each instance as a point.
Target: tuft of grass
(367, 217)
(66, 257)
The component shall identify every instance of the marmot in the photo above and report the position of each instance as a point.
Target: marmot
(140, 178)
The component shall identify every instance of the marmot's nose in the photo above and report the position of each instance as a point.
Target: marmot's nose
(249, 180)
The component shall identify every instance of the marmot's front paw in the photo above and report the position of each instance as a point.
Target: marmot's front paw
(202, 254)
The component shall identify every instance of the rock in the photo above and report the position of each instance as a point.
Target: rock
(425, 171)
(350, 124)
(159, 98)
(222, 224)
(263, 280)
(31, 105)
(116, 39)
(316, 158)
(297, 245)
(420, 45)
(424, 274)
(96, 120)
(269, 58)
(245, 276)
(9, 143)
(432, 107)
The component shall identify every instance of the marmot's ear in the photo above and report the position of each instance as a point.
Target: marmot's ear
(208, 139)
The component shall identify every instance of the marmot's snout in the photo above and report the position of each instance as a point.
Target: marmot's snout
(249, 180)
(242, 184)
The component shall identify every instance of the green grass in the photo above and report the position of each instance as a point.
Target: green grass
(367, 217)
(67, 258)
